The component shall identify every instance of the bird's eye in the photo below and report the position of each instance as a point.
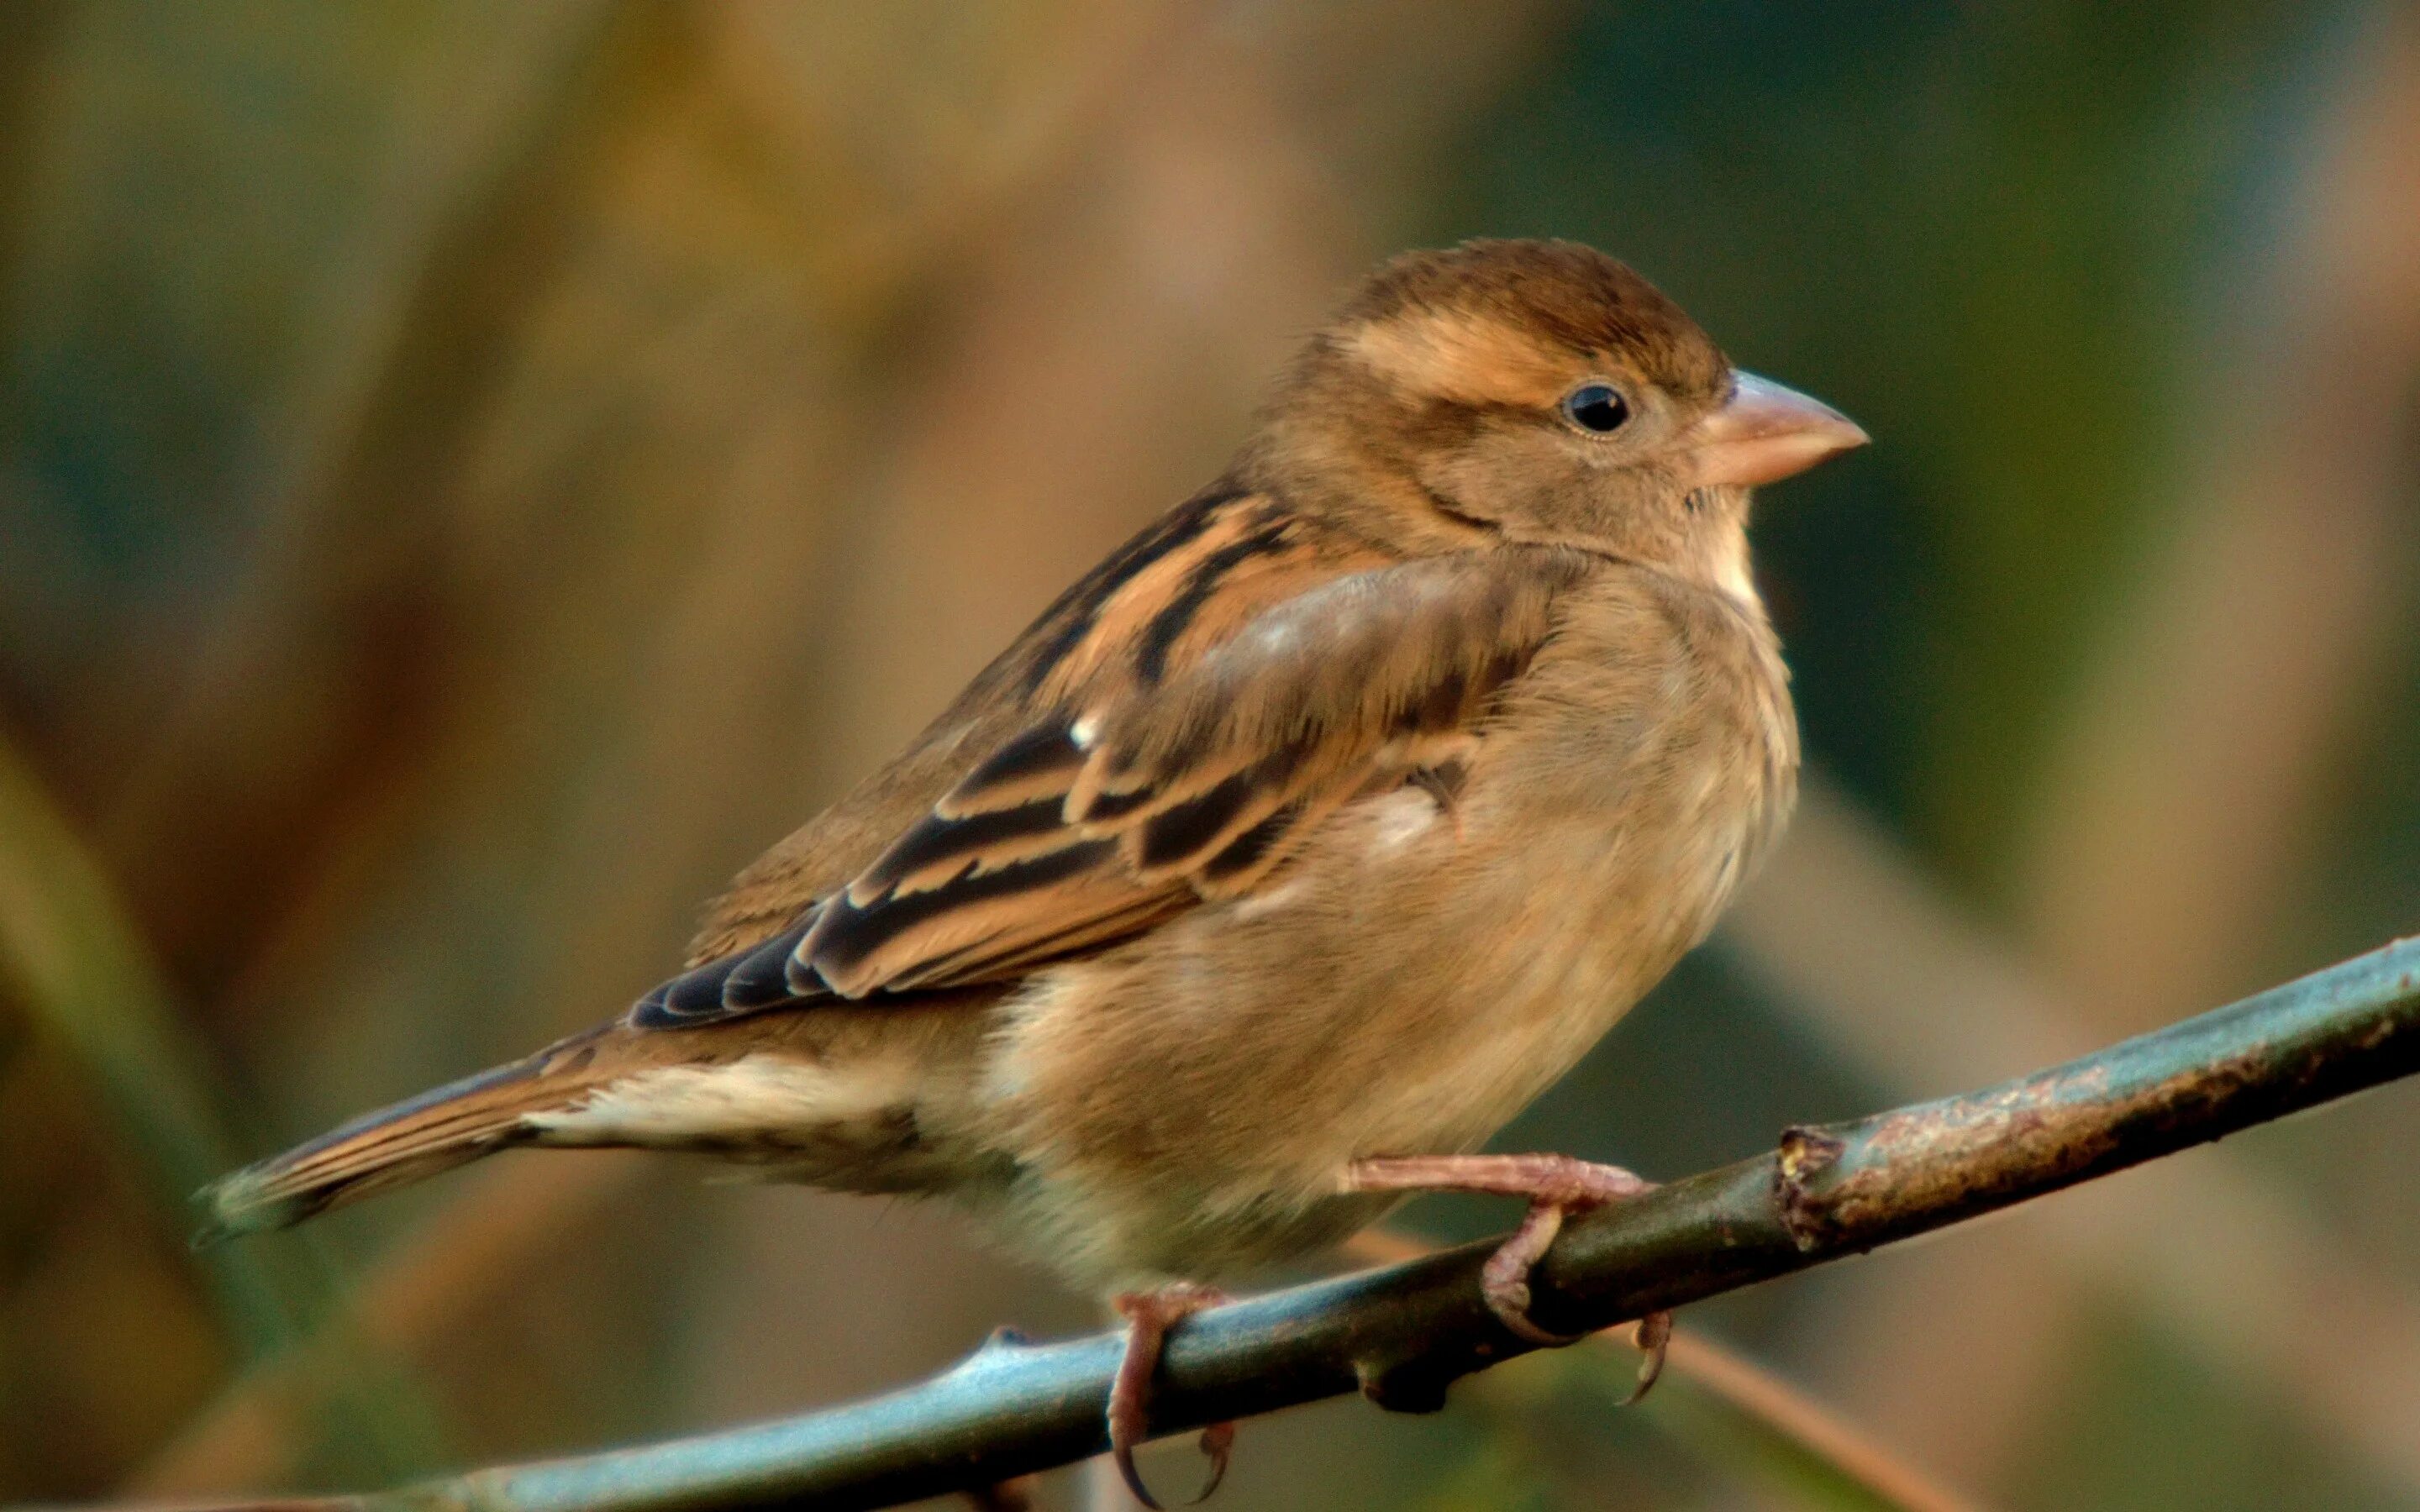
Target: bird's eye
(1596, 407)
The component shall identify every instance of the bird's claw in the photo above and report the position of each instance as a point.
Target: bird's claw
(1557, 1186)
(1650, 1336)
(1149, 1316)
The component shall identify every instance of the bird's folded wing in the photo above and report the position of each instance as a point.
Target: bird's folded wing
(1138, 797)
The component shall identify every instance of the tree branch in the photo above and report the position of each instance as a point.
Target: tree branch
(1404, 1333)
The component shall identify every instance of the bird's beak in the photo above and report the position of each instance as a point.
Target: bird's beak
(1764, 433)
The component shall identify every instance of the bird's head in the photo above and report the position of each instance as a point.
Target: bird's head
(1539, 392)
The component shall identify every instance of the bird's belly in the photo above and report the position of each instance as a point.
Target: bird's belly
(1185, 1105)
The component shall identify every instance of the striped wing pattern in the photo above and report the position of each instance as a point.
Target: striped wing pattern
(1170, 766)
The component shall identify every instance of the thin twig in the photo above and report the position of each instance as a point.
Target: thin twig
(1404, 1333)
(1845, 929)
(1818, 1431)
(1754, 1393)
(477, 1246)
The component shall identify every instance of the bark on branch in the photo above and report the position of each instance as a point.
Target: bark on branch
(1404, 1333)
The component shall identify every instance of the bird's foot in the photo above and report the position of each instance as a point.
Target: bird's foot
(1149, 1316)
(1555, 1187)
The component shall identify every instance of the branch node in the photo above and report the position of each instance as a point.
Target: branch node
(999, 1346)
(1411, 1385)
(1806, 1154)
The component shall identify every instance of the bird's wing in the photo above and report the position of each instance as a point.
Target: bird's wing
(1157, 780)
(1177, 585)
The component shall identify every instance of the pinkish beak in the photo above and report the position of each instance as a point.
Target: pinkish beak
(1764, 433)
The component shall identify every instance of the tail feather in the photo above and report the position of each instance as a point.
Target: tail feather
(395, 1145)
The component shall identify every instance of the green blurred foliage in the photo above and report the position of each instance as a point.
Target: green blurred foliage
(1985, 232)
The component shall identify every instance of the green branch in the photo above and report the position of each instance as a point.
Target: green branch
(1404, 1333)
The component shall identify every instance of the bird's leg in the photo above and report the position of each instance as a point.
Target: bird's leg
(1556, 1186)
(1149, 1316)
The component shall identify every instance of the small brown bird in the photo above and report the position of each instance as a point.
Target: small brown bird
(1288, 855)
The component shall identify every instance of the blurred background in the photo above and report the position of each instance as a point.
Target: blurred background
(471, 475)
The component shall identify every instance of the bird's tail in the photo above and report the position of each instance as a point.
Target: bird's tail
(396, 1145)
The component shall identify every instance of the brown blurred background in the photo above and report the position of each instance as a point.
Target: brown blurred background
(472, 474)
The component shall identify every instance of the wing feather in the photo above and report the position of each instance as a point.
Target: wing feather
(1268, 690)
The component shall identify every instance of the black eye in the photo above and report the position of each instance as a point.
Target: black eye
(1596, 407)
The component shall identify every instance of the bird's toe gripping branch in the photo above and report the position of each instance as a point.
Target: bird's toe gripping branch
(1149, 1316)
(1556, 1186)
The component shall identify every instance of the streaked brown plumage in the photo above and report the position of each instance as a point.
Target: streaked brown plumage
(1328, 821)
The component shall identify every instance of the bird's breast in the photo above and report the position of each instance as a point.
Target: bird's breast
(1433, 958)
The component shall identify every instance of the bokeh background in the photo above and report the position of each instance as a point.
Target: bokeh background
(472, 474)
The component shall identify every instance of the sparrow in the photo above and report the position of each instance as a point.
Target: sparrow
(1285, 858)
